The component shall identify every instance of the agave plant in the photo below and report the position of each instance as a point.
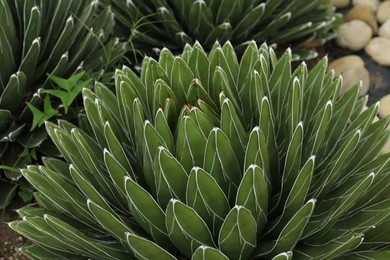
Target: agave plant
(206, 157)
(36, 38)
(173, 23)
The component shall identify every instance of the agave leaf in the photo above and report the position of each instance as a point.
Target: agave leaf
(147, 213)
(359, 107)
(253, 195)
(196, 92)
(290, 234)
(231, 59)
(295, 199)
(291, 166)
(117, 172)
(221, 84)
(166, 60)
(249, 22)
(169, 177)
(208, 253)
(30, 231)
(341, 112)
(190, 144)
(205, 123)
(331, 250)
(76, 238)
(273, 26)
(324, 183)
(278, 80)
(266, 124)
(92, 112)
(187, 50)
(152, 140)
(116, 149)
(37, 251)
(206, 197)
(257, 154)
(170, 24)
(231, 125)
(200, 65)
(376, 190)
(221, 163)
(315, 137)
(111, 223)
(283, 256)
(89, 190)
(229, 9)
(368, 218)
(363, 121)
(162, 95)
(181, 77)
(247, 64)
(294, 107)
(134, 83)
(200, 20)
(145, 249)
(383, 254)
(56, 199)
(186, 228)
(88, 164)
(163, 129)
(332, 208)
(105, 94)
(15, 88)
(221, 32)
(237, 237)
(153, 72)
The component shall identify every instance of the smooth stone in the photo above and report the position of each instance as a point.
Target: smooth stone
(340, 3)
(342, 64)
(363, 13)
(379, 50)
(384, 30)
(354, 75)
(384, 109)
(371, 3)
(354, 35)
(383, 12)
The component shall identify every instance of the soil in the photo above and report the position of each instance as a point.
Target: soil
(10, 241)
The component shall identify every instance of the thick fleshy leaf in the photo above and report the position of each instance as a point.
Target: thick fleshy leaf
(170, 178)
(221, 163)
(147, 213)
(186, 228)
(290, 235)
(253, 195)
(190, 144)
(237, 237)
(206, 197)
(146, 249)
(208, 253)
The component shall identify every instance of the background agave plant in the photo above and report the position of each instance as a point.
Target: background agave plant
(173, 23)
(39, 37)
(205, 157)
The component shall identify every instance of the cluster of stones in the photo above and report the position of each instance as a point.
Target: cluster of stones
(366, 27)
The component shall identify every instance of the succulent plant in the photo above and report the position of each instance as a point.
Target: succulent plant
(173, 23)
(37, 38)
(206, 157)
